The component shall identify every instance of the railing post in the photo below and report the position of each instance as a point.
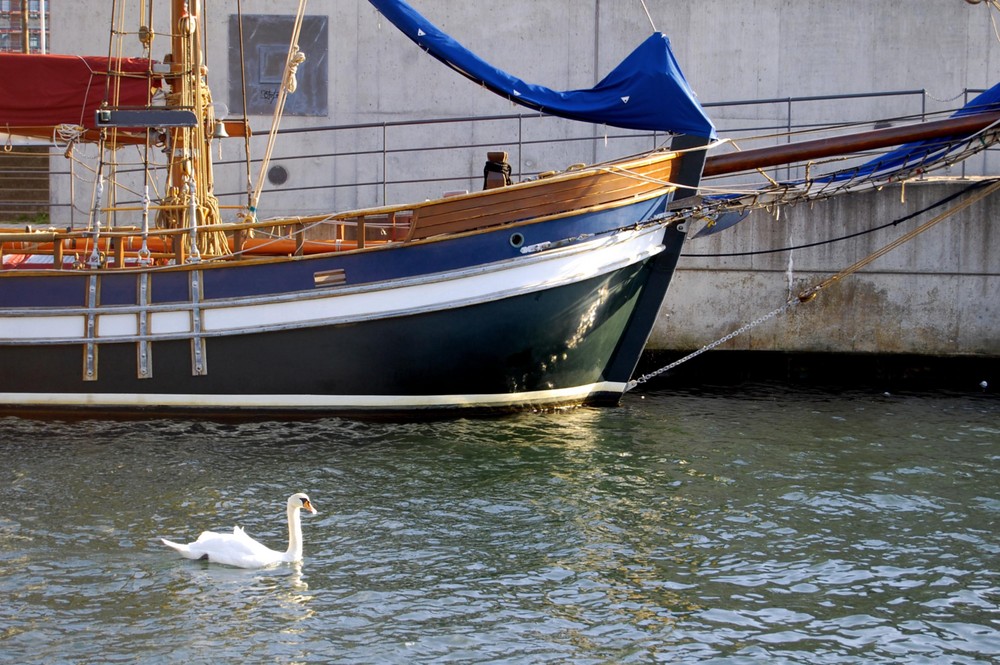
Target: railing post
(520, 146)
(788, 135)
(965, 100)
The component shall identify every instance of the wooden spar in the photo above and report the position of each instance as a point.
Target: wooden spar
(842, 145)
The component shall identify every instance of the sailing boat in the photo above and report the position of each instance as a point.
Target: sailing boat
(536, 294)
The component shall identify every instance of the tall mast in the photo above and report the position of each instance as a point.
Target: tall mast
(191, 182)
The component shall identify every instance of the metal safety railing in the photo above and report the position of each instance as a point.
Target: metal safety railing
(357, 165)
(526, 133)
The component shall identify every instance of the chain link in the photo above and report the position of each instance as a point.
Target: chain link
(708, 347)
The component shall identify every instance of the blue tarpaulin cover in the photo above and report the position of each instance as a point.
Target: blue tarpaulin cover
(646, 91)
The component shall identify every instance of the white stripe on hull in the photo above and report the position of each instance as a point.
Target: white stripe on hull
(525, 274)
(329, 403)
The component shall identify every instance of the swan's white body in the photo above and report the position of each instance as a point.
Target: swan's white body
(239, 549)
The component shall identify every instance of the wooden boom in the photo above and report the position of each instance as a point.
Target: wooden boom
(842, 145)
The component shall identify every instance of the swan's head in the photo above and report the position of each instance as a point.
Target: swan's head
(300, 502)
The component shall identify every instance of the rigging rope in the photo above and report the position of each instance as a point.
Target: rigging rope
(853, 268)
(651, 24)
(870, 175)
(990, 5)
(288, 85)
(243, 92)
(830, 241)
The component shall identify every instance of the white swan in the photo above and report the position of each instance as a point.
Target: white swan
(239, 549)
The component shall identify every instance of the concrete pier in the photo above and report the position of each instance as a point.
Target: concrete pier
(935, 295)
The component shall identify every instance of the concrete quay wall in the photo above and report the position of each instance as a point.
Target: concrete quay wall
(938, 294)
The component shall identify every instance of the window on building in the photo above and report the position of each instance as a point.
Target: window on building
(266, 49)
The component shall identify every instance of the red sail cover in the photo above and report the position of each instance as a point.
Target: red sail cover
(42, 91)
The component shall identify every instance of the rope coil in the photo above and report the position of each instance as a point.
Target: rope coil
(294, 60)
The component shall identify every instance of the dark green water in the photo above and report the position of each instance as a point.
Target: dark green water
(753, 527)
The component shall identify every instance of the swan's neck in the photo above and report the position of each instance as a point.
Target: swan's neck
(294, 552)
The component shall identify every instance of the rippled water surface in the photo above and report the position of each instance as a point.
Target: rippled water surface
(763, 527)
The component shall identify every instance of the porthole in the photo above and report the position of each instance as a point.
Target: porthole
(277, 175)
(516, 240)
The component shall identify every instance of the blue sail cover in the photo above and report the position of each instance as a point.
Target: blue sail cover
(647, 91)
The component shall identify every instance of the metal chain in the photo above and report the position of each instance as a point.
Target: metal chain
(708, 347)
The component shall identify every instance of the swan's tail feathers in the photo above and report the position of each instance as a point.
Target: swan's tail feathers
(185, 550)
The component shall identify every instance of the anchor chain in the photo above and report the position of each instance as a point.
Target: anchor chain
(719, 342)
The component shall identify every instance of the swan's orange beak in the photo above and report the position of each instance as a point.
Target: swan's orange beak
(308, 506)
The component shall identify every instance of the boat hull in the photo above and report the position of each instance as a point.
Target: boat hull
(539, 330)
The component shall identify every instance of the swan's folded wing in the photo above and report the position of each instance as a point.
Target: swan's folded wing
(234, 549)
(248, 544)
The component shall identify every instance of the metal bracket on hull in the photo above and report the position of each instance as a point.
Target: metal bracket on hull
(144, 350)
(90, 333)
(199, 366)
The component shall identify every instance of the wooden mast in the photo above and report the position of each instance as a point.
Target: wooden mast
(843, 145)
(190, 185)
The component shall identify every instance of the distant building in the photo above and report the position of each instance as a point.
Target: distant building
(14, 26)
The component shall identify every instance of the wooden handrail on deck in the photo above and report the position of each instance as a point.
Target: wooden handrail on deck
(163, 243)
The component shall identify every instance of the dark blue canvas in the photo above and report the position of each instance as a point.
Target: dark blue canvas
(646, 91)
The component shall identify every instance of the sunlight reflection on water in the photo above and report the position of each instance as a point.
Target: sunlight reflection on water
(764, 526)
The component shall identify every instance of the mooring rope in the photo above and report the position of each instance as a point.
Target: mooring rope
(853, 268)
